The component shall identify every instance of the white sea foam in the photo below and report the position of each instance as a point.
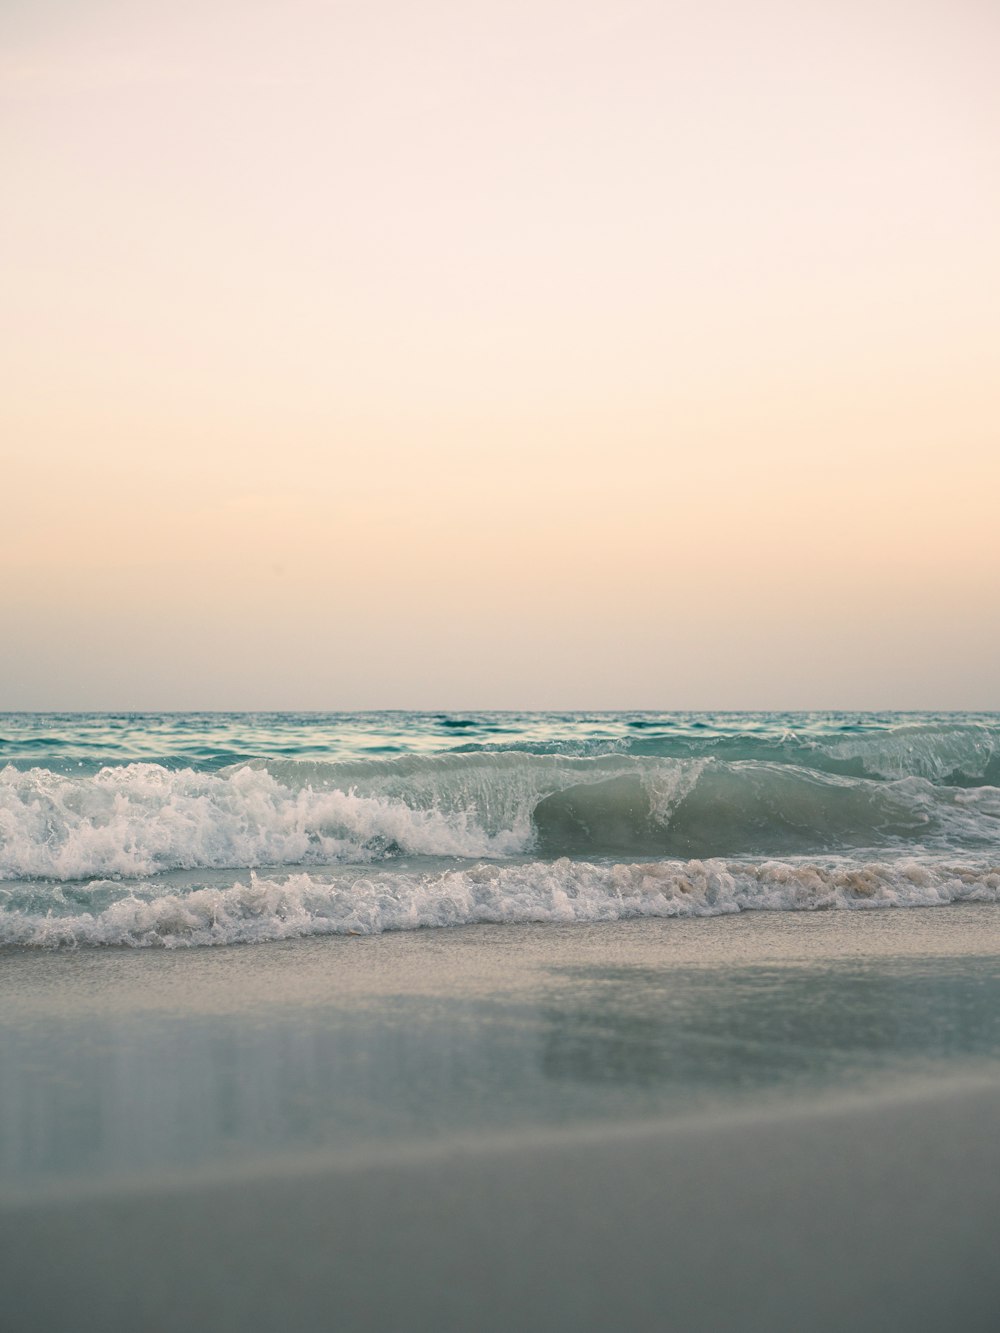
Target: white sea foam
(140, 819)
(562, 891)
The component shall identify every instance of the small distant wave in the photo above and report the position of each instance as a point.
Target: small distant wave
(563, 891)
(940, 752)
(958, 754)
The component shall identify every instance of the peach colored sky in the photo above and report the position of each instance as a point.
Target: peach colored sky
(515, 355)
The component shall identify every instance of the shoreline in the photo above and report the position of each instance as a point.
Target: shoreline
(762, 1123)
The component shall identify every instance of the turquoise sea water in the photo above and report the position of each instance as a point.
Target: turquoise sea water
(925, 743)
(191, 829)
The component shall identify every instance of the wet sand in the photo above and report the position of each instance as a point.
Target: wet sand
(750, 1123)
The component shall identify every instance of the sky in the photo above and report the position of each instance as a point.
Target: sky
(500, 355)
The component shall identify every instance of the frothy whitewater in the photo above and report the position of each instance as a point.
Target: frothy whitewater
(208, 829)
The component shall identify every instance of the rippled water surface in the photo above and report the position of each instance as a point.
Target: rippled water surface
(903, 741)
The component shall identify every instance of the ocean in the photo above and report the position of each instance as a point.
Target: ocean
(186, 830)
(422, 1021)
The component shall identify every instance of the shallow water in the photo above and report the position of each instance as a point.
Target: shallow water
(120, 1064)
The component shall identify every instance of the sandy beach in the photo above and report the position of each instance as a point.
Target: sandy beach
(762, 1122)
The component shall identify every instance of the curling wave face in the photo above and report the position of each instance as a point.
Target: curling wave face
(653, 816)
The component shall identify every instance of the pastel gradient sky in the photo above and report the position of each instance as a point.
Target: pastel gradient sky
(463, 354)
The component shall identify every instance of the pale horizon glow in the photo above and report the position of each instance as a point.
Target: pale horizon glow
(467, 355)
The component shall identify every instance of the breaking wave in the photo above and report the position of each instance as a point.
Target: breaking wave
(157, 853)
(561, 891)
(143, 819)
